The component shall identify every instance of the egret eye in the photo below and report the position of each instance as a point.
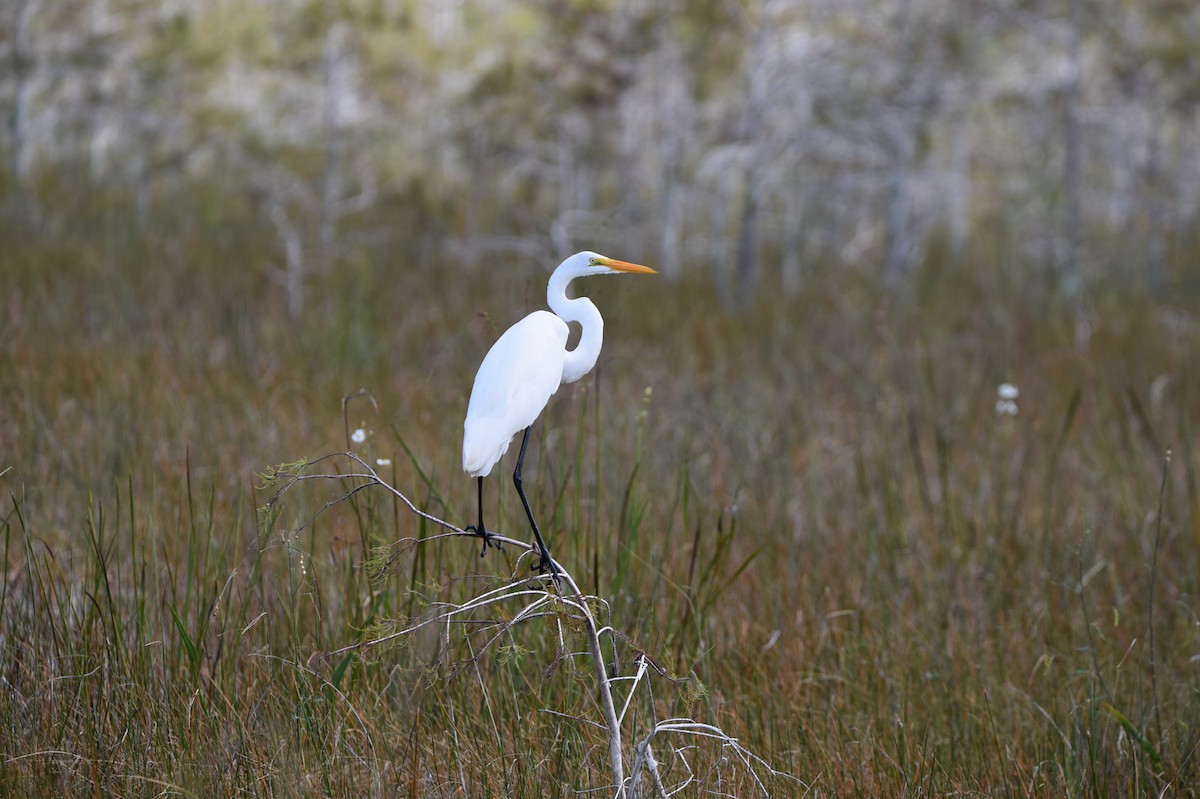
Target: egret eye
(594, 261)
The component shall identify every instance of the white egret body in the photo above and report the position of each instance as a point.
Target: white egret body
(526, 366)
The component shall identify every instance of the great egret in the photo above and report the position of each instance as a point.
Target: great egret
(522, 371)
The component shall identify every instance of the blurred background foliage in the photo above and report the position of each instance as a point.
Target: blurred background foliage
(757, 142)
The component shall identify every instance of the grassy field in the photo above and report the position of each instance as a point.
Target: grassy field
(811, 510)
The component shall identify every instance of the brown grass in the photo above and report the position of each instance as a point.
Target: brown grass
(938, 600)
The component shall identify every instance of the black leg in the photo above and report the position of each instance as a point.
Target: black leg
(545, 562)
(480, 530)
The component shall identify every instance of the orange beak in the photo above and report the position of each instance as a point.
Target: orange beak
(625, 266)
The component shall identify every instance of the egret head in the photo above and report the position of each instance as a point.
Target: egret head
(593, 263)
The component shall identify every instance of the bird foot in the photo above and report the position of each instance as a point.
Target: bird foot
(486, 535)
(545, 564)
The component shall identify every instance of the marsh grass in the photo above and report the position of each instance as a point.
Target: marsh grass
(809, 514)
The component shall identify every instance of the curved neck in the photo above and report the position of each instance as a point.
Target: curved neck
(579, 309)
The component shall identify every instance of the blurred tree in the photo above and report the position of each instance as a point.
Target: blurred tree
(754, 139)
(1150, 60)
(21, 64)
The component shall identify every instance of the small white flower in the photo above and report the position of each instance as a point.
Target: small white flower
(383, 461)
(1006, 399)
(358, 436)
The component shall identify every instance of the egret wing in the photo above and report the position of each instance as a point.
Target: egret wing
(518, 376)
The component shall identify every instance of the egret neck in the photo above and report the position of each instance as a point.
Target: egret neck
(580, 360)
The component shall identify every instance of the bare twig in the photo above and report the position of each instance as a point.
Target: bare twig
(555, 595)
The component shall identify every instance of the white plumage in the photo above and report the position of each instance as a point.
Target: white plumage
(518, 376)
(530, 361)
(525, 367)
